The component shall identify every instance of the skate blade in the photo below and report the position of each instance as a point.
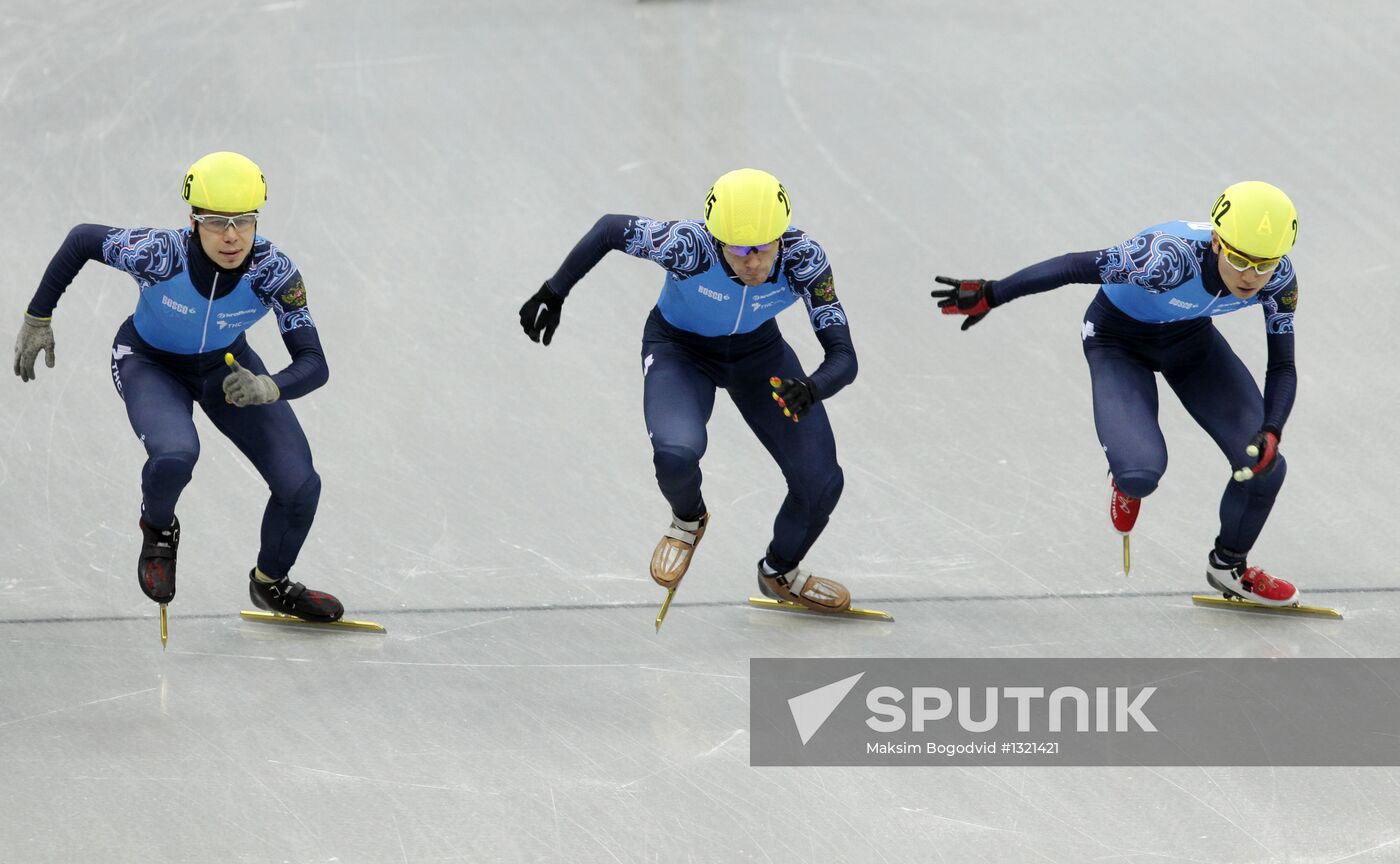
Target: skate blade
(666, 606)
(786, 606)
(164, 628)
(342, 624)
(1251, 606)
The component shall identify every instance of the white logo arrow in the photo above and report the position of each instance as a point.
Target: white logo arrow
(810, 710)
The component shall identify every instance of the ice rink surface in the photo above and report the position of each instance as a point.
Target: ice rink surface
(492, 501)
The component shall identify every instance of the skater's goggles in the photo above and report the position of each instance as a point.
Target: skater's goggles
(219, 224)
(1242, 262)
(741, 251)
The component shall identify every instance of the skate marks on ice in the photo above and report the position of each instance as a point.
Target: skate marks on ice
(889, 600)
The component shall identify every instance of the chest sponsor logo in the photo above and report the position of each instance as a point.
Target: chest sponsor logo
(1181, 304)
(225, 320)
(167, 301)
(712, 294)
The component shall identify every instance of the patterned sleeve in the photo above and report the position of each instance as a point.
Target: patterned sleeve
(150, 255)
(1280, 299)
(279, 286)
(683, 247)
(810, 275)
(1154, 261)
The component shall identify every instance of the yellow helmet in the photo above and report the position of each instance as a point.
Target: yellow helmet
(1256, 218)
(747, 207)
(229, 182)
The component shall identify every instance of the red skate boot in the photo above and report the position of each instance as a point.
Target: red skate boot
(1235, 579)
(1122, 509)
(1123, 512)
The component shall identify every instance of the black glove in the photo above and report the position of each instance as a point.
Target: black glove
(541, 313)
(970, 297)
(793, 395)
(1264, 447)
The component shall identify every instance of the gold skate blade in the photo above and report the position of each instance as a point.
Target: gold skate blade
(164, 628)
(665, 606)
(786, 606)
(1250, 606)
(342, 624)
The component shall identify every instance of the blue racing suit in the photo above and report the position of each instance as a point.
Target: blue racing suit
(170, 354)
(708, 330)
(1152, 314)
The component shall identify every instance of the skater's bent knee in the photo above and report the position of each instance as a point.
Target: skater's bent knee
(1137, 483)
(303, 494)
(177, 465)
(823, 491)
(673, 459)
(1272, 480)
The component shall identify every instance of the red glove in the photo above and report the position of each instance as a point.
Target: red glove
(968, 297)
(1263, 447)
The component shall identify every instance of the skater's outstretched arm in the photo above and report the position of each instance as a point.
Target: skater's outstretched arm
(974, 298)
(83, 244)
(540, 315)
(606, 235)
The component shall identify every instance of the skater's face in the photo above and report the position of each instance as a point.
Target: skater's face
(1243, 284)
(753, 268)
(227, 238)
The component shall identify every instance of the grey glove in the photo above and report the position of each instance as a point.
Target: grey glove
(36, 335)
(243, 388)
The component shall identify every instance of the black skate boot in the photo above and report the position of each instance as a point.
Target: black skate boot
(156, 569)
(293, 598)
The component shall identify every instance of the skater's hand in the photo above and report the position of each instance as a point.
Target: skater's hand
(35, 335)
(242, 388)
(793, 395)
(968, 297)
(1263, 447)
(541, 313)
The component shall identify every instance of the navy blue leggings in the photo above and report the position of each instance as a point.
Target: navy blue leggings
(1213, 385)
(681, 373)
(160, 390)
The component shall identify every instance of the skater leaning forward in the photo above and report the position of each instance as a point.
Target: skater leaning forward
(201, 287)
(1152, 315)
(726, 278)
